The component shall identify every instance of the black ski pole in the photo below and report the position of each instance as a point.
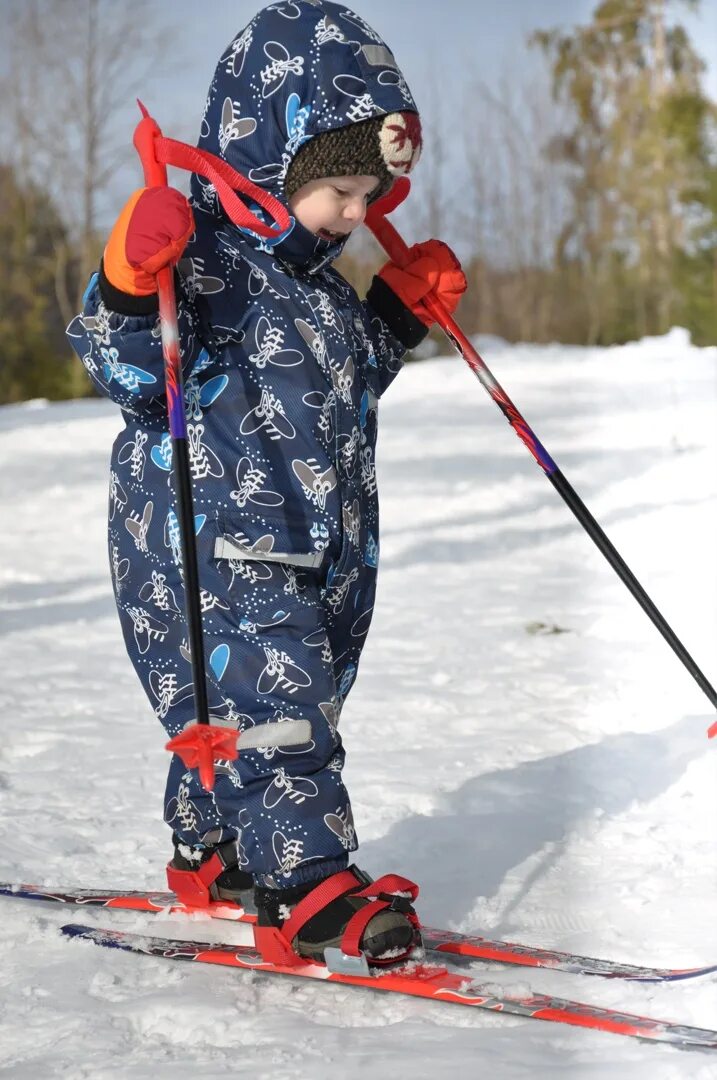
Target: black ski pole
(200, 744)
(397, 250)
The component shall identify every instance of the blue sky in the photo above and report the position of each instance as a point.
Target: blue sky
(463, 37)
(441, 45)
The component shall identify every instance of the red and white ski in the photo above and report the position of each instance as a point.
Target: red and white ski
(418, 979)
(454, 945)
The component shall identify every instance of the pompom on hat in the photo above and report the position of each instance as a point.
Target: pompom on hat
(386, 146)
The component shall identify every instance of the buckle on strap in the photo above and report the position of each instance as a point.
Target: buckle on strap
(401, 904)
(391, 886)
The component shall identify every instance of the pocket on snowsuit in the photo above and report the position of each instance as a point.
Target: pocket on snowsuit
(251, 559)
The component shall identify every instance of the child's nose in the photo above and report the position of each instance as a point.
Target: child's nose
(355, 210)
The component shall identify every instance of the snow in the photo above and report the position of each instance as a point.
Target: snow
(521, 741)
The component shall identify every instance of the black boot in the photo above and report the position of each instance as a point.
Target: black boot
(230, 883)
(388, 936)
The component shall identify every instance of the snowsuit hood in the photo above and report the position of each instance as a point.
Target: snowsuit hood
(297, 69)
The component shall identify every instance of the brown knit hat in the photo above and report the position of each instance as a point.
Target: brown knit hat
(386, 146)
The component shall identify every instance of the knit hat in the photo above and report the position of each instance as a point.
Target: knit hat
(386, 146)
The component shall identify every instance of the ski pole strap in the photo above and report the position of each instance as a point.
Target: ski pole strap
(227, 182)
(156, 152)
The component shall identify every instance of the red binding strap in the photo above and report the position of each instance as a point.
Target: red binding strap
(209, 871)
(391, 883)
(192, 886)
(351, 940)
(328, 890)
(385, 889)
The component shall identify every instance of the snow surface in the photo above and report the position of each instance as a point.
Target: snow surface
(520, 741)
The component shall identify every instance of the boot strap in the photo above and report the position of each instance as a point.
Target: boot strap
(192, 886)
(349, 882)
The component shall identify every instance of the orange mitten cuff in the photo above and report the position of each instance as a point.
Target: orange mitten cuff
(152, 231)
(433, 269)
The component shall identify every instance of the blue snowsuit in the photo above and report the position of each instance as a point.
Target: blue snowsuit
(283, 367)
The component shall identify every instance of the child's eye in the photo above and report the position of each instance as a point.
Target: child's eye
(341, 191)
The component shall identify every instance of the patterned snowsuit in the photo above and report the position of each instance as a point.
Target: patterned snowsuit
(283, 368)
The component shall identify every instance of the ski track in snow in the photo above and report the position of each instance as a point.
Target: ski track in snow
(520, 740)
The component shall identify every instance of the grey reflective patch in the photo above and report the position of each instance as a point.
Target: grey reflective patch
(225, 547)
(379, 56)
(287, 733)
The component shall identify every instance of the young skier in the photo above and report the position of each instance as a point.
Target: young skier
(283, 368)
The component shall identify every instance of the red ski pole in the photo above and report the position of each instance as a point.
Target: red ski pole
(200, 744)
(397, 250)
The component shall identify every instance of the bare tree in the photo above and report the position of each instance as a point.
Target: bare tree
(517, 204)
(73, 70)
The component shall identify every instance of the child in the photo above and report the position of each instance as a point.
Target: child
(283, 369)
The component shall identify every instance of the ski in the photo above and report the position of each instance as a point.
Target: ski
(415, 978)
(467, 947)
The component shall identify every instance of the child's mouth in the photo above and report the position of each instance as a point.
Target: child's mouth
(327, 234)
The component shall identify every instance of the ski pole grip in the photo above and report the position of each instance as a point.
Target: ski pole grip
(388, 237)
(145, 134)
(396, 247)
(390, 240)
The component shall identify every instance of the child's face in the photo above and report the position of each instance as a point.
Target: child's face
(333, 206)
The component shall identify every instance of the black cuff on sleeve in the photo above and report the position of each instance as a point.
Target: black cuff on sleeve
(124, 303)
(400, 320)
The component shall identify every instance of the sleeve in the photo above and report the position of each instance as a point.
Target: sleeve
(122, 352)
(392, 330)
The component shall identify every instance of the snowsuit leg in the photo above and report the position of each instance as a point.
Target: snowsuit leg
(279, 647)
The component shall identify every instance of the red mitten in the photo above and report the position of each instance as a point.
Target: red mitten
(151, 232)
(434, 269)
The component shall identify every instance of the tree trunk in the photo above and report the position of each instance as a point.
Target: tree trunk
(661, 221)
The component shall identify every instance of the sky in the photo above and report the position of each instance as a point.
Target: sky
(468, 37)
(442, 49)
